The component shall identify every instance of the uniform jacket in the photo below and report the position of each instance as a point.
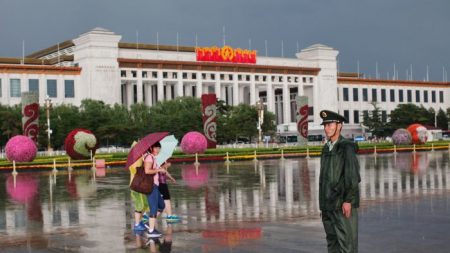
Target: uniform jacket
(339, 176)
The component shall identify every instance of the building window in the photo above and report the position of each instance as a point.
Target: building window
(222, 77)
(365, 96)
(383, 95)
(51, 88)
(392, 95)
(400, 96)
(356, 116)
(184, 75)
(441, 96)
(144, 74)
(425, 96)
(374, 95)
(311, 80)
(123, 73)
(355, 94)
(194, 75)
(409, 94)
(383, 116)
(33, 85)
(417, 96)
(345, 95)
(433, 96)
(165, 74)
(346, 115)
(69, 89)
(134, 73)
(155, 74)
(14, 88)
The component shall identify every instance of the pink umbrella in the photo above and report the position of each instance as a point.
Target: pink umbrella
(195, 176)
(26, 187)
(142, 146)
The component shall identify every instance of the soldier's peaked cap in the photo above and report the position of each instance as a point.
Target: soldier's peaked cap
(330, 116)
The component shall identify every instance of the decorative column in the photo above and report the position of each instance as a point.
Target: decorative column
(179, 86)
(30, 114)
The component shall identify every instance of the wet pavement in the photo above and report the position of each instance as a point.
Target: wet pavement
(248, 206)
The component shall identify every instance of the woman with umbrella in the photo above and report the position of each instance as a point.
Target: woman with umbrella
(154, 199)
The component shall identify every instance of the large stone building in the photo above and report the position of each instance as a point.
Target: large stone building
(98, 65)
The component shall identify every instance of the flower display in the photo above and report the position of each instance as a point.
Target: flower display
(79, 143)
(402, 136)
(418, 133)
(193, 142)
(20, 148)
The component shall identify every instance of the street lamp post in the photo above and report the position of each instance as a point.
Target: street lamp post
(260, 108)
(48, 106)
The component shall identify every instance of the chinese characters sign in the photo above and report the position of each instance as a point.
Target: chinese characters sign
(226, 54)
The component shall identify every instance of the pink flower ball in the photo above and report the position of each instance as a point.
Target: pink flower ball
(20, 148)
(193, 142)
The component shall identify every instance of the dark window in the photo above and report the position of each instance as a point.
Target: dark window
(51, 88)
(194, 76)
(355, 94)
(441, 96)
(184, 75)
(356, 116)
(409, 94)
(155, 74)
(134, 73)
(69, 89)
(374, 95)
(346, 115)
(165, 74)
(392, 95)
(144, 74)
(433, 96)
(383, 95)
(425, 96)
(345, 96)
(14, 88)
(365, 96)
(400, 96)
(418, 96)
(123, 73)
(33, 85)
(383, 116)
(222, 76)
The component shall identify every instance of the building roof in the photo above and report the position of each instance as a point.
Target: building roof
(383, 82)
(52, 49)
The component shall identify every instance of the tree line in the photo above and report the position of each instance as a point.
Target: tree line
(403, 116)
(119, 126)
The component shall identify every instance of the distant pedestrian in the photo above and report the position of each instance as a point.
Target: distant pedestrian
(339, 186)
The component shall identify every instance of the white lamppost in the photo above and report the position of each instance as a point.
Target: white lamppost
(48, 106)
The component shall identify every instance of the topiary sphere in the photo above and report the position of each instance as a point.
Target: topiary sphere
(402, 136)
(20, 148)
(418, 133)
(193, 142)
(79, 143)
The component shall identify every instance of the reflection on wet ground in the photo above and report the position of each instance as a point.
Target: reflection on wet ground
(245, 206)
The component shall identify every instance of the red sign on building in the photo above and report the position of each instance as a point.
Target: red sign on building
(226, 54)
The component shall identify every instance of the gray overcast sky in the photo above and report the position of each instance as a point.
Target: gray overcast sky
(385, 31)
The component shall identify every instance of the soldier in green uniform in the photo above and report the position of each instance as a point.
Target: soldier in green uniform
(339, 186)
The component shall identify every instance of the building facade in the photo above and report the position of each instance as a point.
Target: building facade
(97, 65)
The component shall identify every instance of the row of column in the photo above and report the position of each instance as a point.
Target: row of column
(237, 90)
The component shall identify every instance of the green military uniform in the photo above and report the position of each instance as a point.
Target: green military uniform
(339, 183)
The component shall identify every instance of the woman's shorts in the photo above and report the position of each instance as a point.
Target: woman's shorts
(164, 190)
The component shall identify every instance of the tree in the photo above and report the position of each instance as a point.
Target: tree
(442, 120)
(177, 116)
(11, 123)
(374, 123)
(407, 114)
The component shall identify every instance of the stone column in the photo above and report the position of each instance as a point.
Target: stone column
(235, 90)
(270, 96)
(160, 86)
(252, 90)
(180, 90)
(286, 102)
(140, 97)
(217, 89)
